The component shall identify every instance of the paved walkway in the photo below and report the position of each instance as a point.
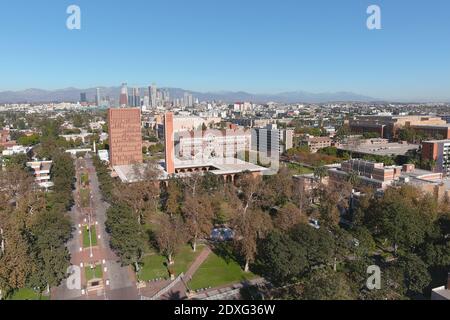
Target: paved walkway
(122, 283)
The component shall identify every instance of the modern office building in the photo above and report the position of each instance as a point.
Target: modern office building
(98, 99)
(153, 96)
(123, 99)
(135, 99)
(437, 152)
(125, 137)
(188, 100)
(83, 97)
(271, 141)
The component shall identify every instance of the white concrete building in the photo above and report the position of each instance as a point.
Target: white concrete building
(10, 151)
(41, 170)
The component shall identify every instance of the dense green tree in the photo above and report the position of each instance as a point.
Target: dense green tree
(415, 274)
(319, 244)
(320, 173)
(397, 218)
(170, 236)
(127, 237)
(29, 140)
(288, 217)
(198, 215)
(324, 284)
(280, 259)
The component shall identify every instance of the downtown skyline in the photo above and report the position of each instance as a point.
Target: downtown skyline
(213, 47)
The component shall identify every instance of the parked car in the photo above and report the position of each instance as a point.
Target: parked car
(222, 234)
(314, 223)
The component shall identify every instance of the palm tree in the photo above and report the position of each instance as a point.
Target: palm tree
(353, 178)
(320, 173)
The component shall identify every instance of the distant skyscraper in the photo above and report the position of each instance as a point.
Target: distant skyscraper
(166, 95)
(83, 98)
(136, 101)
(123, 100)
(146, 101)
(188, 100)
(97, 97)
(153, 93)
(131, 101)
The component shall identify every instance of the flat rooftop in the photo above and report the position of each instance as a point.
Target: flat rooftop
(431, 126)
(388, 149)
(437, 141)
(218, 166)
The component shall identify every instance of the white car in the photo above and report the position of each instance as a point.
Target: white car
(314, 223)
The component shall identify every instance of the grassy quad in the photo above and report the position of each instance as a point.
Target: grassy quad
(93, 273)
(85, 197)
(86, 242)
(27, 294)
(216, 272)
(155, 266)
(84, 177)
(300, 169)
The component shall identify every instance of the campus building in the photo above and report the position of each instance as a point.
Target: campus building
(379, 176)
(442, 293)
(376, 147)
(270, 139)
(389, 126)
(433, 131)
(5, 139)
(125, 137)
(221, 164)
(41, 172)
(226, 143)
(316, 143)
(437, 152)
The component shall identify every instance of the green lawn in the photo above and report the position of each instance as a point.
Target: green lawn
(27, 294)
(154, 266)
(299, 169)
(86, 242)
(215, 272)
(85, 196)
(84, 177)
(95, 273)
(185, 258)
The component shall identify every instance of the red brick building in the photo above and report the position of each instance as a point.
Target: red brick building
(5, 139)
(169, 143)
(125, 137)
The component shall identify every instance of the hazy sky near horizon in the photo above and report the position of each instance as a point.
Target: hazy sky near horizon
(257, 46)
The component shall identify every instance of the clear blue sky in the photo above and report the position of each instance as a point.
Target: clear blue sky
(211, 45)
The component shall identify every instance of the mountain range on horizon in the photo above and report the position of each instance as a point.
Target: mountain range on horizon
(33, 95)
